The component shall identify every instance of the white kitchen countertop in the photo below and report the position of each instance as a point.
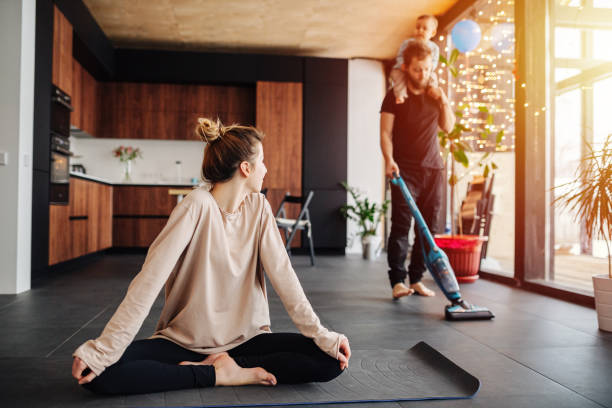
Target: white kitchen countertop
(143, 182)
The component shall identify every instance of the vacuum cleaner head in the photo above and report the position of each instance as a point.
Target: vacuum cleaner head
(462, 310)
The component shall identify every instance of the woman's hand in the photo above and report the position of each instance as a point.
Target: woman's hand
(344, 353)
(78, 367)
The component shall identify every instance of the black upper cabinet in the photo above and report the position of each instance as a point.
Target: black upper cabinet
(331, 71)
(184, 67)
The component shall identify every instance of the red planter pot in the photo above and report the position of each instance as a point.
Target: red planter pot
(463, 252)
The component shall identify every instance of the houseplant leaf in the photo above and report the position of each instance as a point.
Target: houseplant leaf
(461, 157)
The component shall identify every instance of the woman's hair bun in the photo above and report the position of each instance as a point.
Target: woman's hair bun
(209, 130)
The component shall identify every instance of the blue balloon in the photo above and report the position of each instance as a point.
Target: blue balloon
(466, 35)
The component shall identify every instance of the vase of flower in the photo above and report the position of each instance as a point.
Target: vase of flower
(127, 170)
(126, 154)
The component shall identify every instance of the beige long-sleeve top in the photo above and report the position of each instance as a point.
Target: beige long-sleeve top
(212, 264)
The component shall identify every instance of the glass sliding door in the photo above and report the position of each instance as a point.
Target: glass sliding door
(582, 61)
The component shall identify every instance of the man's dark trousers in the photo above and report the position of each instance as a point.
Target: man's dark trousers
(427, 188)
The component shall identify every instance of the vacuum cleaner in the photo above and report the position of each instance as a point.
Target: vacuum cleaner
(440, 268)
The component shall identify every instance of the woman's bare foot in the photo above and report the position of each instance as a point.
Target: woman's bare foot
(230, 373)
(422, 290)
(210, 360)
(401, 290)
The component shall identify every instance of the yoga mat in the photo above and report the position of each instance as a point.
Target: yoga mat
(420, 373)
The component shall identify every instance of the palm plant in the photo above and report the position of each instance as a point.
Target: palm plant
(589, 195)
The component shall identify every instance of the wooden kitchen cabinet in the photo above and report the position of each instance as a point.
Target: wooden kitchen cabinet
(85, 100)
(142, 200)
(279, 116)
(78, 197)
(60, 244)
(105, 229)
(61, 73)
(84, 225)
(100, 210)
(93, 212)
(170, 111)
(136, 232)
(91, 113)
(77, 89)
(78, 235)
(139, 214)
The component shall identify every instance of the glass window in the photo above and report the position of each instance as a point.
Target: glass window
(500, 248)
(602, 3)
(568, 43)
(568, 135)
(564, 73)
(576, 123)
(570, 3)
(602, 45)
(568, 269)
(602, 120)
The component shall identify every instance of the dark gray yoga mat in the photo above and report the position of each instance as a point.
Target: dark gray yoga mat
(420, 373)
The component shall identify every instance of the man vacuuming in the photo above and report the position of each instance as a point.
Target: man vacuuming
(409, 143)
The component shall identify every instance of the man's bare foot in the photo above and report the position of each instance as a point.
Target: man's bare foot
(422, 290)
(401, 290)
(210, 360)
(230, 373)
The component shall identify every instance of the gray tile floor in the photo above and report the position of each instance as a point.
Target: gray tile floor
(538, 352)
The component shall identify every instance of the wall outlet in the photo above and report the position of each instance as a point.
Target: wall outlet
(3, 158)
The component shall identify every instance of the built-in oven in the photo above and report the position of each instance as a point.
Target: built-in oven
(59, 172)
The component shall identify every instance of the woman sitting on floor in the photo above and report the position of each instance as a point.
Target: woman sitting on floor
(214, 328)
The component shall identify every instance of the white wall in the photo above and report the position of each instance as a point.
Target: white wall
(156, 165)
(17, 28)
(366, 91)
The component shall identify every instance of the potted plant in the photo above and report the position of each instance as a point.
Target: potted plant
(463, 250)
(589, 196)
(368, 215)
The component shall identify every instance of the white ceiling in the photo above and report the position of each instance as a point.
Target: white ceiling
(324, 28)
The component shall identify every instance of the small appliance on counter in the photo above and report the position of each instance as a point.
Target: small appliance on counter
(78, 168)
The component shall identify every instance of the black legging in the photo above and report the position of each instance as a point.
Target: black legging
(151, 365)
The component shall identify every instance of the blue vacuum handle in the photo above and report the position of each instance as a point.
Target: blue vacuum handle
(425, 233)
(435, 259)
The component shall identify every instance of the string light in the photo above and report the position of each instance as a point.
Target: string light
(485, 78)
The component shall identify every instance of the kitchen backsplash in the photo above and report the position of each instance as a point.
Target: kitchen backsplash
(158, 162)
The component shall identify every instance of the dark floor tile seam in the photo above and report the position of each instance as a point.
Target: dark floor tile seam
(81, 328)
(528, 367)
